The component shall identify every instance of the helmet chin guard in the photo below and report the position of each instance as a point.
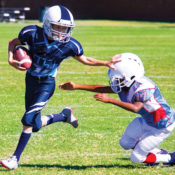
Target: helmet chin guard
(128, 70)
(59, 16)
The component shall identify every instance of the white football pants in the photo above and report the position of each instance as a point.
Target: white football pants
(143, 139)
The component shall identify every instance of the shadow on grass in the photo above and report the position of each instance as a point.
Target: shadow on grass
(79, 167)
(76, 167)
(5, 170)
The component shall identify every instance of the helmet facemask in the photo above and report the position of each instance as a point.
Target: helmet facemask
(61, 35)
(119, 83)
(56, 35)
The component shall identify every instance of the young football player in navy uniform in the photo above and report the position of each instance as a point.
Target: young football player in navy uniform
(140, 95)
(49, 46)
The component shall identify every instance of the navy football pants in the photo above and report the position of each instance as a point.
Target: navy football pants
(38, 92)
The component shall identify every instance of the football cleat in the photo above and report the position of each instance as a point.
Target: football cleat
(172, 160)
(10, 164)
(162, 151)
(70, 117)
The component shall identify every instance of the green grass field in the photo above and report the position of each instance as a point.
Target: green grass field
(93, 148)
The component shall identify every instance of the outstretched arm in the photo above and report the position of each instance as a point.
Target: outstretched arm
(128, 106)
(94, 88)
(93, 62)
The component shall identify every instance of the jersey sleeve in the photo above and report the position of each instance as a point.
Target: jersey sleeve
(76, 48)
(143, 95)
(26, 35)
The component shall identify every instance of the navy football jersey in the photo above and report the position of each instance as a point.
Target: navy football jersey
(47, 55)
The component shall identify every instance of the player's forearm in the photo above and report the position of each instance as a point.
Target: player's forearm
(94, 62)
(94, 88)
(10, 51)
(12, 44)
(128, 106)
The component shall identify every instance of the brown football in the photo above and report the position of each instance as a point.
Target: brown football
(22, 55)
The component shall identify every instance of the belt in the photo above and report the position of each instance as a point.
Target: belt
(40, 78)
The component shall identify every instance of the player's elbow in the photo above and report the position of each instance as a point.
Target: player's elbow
(14, 42)
(135, 109)
(10, 62)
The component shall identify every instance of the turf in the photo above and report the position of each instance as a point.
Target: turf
(94, 147)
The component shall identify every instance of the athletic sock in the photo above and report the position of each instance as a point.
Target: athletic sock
(24, 138)
(55, 118)
(157, 158)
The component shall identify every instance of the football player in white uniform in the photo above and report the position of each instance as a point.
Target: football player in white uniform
(140, 95)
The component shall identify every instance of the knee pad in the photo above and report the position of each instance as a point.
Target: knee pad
(27, 120)
(127, 143)
(32, 120)
(37, 125)
(124, 144)
(36, 128)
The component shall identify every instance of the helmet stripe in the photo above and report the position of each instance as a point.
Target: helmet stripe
(64, 13)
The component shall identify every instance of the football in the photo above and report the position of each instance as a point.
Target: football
(22, 55)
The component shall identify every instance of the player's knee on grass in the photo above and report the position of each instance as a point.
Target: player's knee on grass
(132, 134)
(137, 157)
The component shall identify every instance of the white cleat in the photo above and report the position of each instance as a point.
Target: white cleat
(10, 164)
(67, 111)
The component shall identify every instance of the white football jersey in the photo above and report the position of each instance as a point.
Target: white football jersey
(156, 111)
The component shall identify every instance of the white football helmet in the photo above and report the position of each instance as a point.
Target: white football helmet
(128, 70)
(61, 16)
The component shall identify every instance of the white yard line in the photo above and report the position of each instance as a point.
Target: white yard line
(3, 62)
(71, 72)
(70, 154)
(161, 77)
(5, 95)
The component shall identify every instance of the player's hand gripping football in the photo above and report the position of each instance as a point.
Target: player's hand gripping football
(11, 56)
(67, 85)
(102, 97)
(16, 64)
